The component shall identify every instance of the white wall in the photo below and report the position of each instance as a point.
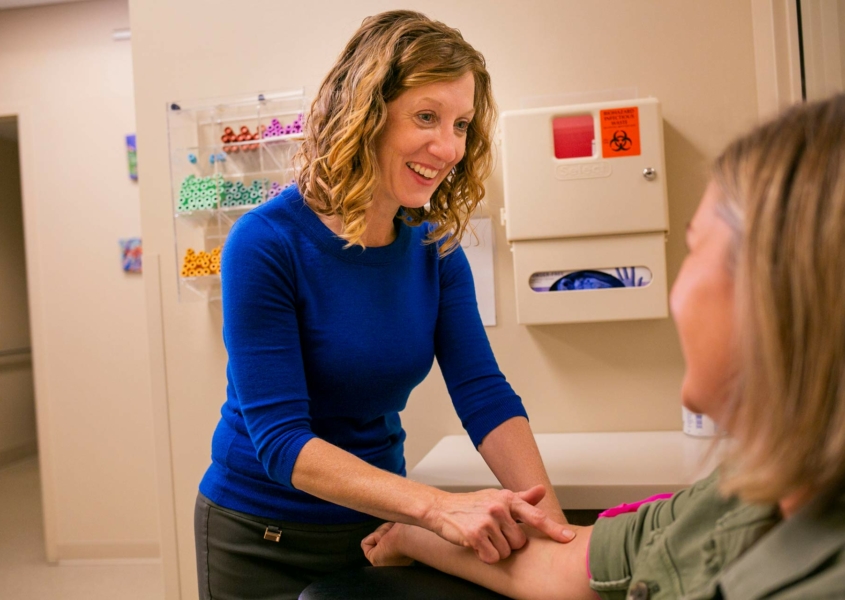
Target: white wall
(17, 393)
(71, 87)
(697, 57)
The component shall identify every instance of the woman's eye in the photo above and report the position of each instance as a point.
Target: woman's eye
(426, 117)
(462, 126)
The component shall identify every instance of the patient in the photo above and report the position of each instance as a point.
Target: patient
(759, 305)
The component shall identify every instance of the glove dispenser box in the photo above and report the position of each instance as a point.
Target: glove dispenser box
(586, 211)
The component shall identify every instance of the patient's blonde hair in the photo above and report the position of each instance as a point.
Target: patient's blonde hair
(783, 193)
(337, 166)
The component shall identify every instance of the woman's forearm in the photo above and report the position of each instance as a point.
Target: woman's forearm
(512, 454)
(542, 569)
(334, 475)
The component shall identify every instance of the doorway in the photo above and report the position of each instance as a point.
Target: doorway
(18, 439)
(821, 32)
(20, 490)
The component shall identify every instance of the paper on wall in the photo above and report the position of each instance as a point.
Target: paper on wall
(479, 249)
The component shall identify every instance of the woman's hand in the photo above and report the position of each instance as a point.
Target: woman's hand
(381, 547)
(486, 521)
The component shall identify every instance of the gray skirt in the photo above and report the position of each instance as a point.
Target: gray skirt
(239, 557)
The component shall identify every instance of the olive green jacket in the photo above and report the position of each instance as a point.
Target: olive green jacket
(698, 545)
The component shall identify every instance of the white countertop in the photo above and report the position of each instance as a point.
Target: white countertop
(587, 470)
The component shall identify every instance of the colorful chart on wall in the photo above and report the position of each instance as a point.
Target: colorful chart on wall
(130, 254)
(132, 156)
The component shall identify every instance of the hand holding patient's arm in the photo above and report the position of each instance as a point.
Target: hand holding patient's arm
(485, 521)
(474, 518)
(541, 569)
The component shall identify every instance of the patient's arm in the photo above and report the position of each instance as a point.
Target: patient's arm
(542, 569)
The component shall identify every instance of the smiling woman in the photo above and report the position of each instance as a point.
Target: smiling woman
(399, 69)
(337, 297)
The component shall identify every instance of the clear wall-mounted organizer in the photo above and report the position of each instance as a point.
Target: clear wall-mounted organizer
(227, 156)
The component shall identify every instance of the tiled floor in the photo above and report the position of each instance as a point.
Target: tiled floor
(24, 572)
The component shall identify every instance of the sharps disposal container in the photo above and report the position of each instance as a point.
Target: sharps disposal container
(586, 211)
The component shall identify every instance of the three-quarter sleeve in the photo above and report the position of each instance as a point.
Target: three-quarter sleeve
(261, 334)
(480, 393)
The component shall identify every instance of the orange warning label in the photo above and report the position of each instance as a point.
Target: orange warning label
(620, 132)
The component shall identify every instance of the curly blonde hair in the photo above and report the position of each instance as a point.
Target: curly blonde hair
(337, 169)
(783, 194)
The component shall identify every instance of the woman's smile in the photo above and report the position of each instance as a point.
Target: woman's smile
(426, 173)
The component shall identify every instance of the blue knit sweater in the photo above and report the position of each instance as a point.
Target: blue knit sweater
(328, 342)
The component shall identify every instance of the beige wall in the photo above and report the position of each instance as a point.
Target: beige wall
(17, 394)
(841, 11)
(71, 86)
(696, 57)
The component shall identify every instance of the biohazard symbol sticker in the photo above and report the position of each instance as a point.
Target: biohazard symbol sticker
(620, 132)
